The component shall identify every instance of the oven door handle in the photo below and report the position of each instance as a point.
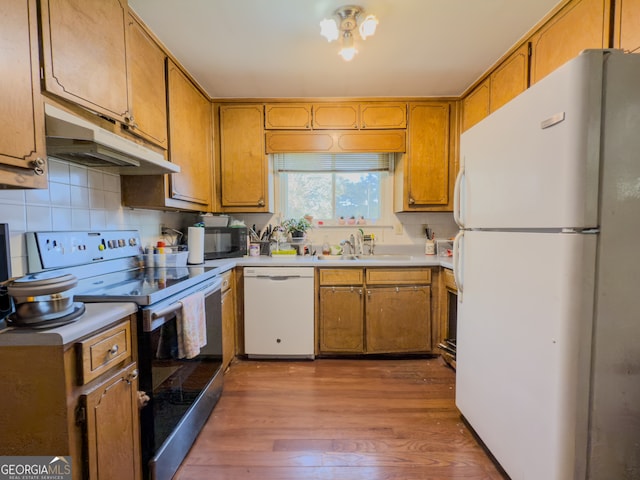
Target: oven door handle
(176, 306)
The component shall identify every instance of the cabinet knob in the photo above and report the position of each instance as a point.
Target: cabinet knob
(261, 202)
(411, 201)
(113, 350)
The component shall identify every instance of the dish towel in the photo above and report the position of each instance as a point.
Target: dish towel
(191, 325)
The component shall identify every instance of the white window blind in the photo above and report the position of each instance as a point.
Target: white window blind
(332, 162)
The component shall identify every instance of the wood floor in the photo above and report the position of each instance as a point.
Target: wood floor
(337, 420)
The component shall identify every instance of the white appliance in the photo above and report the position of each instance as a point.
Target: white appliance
(548, 266)
(279, 312)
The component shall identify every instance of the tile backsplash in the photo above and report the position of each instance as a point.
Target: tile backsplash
(78, 198)
(81, 198)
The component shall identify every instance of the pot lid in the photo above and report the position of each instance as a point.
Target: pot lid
(43, 283)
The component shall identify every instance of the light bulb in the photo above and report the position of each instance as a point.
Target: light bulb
(347, 54)
(368, 26)
(329, 29)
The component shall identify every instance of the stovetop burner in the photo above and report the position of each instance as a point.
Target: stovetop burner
(143, 286)
(14, 320)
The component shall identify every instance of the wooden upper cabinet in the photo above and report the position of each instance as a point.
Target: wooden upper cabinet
(84, 54)
(346, 141)
(476, 105)
(510, 79)
(580, 25)
(244, 171)
(627, 25)
(383, 115)
(190, 127)
(287, 116)
(336, 116)
(21, 113)
(422, 179)
(146, 62)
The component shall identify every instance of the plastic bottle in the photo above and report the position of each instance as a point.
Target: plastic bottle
(161, 260)
(326, 248)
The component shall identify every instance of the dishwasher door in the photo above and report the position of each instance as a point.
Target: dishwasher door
(279, 312)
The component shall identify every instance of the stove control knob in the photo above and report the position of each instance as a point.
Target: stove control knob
(132, 242)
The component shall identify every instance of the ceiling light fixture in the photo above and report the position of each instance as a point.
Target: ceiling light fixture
(348, 17)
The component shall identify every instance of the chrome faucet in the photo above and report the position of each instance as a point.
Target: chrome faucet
(343, 243)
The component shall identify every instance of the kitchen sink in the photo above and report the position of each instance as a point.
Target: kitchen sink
(337, 257)
(375, 258)
(386, 258)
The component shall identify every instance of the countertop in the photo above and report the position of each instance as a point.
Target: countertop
(313, 261)
(95, 317)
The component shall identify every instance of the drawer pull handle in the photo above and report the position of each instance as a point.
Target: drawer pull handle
(132, 376)
(113, 350)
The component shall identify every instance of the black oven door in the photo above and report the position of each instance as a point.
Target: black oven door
(182, 391)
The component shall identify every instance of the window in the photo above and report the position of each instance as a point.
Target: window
(329, 186)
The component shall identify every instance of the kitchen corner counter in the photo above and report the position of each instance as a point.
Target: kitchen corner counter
(96, 317)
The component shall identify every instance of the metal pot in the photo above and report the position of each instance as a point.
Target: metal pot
(41, 297)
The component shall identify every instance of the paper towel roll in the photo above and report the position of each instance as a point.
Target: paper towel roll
(195, 244)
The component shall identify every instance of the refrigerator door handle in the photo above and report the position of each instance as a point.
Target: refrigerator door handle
(458, 246)
(457, 192)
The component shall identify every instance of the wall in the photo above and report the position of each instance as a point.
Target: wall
(405, 236)
(81, 198)
(78, 198)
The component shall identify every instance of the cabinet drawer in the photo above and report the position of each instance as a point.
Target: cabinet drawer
(341, 276)
(450, 280)
(99, 353)
(398, 276)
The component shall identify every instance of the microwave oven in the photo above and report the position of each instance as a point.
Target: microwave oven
(224, 242)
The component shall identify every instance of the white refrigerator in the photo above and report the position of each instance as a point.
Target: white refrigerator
(548, 269)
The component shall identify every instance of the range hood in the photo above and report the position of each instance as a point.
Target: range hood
(77, 140)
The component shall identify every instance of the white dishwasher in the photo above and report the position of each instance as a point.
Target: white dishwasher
(278, 312)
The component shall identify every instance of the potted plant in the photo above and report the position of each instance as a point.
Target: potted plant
(297, 227)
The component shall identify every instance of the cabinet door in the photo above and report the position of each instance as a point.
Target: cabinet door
(510, 79)
(427, 172)
(21, 114)
(336, 116)
(383, 115)
(475, 106)
(287, 116)
(398, 319)
(148, 86)
(341, 319)
(112, 427)
(581, 24)
(627, 25)
(228, 328)
(243, 162)
(84, 53)
(190, 141)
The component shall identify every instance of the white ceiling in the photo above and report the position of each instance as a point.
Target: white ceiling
(273, 48)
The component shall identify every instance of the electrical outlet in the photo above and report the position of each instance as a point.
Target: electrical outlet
(397, 228)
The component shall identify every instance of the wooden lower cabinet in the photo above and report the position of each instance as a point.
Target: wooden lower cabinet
(341, 314)
(228, 320)
(53, 405)
(111, 427)
(374, 310)
(398, 319)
